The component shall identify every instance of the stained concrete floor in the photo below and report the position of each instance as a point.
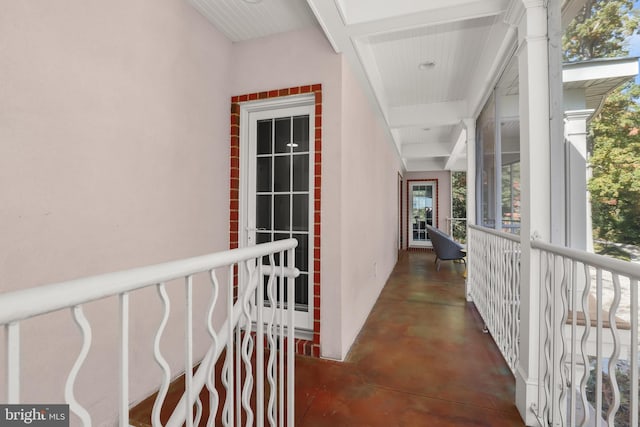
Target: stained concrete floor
(421, 359)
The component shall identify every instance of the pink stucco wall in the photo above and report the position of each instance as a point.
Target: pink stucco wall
(113, 154)
(369, 207)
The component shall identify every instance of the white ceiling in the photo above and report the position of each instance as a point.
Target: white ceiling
(244, 20)
(386, 41)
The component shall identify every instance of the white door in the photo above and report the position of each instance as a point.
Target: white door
(278, 182)
(422, 211)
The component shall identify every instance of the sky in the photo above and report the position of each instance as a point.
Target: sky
(634, 42)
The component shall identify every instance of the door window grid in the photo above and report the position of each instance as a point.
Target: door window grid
(422, 210)
(271, 158)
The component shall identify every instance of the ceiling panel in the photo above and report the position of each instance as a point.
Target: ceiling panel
(240, 20)
(454, 48)
(412, 135)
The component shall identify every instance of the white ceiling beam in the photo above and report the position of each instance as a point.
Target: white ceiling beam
(329, 18)
(459, 148)
(427, 17)
(426, 149)
(459, 165)
(427, 115)
(429, 164)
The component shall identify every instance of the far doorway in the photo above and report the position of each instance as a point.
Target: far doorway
(422, 211)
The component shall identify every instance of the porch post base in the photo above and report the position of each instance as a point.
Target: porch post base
(527, 398)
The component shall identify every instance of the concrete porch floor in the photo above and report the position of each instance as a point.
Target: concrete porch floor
(420, 360)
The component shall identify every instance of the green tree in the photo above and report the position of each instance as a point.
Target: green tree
(615, 185)
(601, 30)
(459, 205)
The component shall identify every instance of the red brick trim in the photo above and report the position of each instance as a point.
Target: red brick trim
(306, 347)
(409, 181)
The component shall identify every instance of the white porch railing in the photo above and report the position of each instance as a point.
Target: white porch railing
(589, 339)
(493, 284)
(234, 337)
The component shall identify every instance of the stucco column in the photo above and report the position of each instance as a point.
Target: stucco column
(579, 234)
(530, 16)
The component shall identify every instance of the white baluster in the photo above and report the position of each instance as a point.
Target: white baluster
(290, 345)
(124, 360)
(211, 385)
(613, 406)
(281, 336)
(271, 374)
(599, 347)
(188, 344)
(82, 323)
(561, 346)
(634, 354)
(247, 341)
(583, 345)
(260, 347)
(160, 360)
(228, 376)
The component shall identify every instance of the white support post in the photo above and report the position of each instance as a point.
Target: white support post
(470, 125)
(579, 234)
(530, 17)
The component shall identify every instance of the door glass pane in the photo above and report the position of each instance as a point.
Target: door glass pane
(263, 237)
(283, 135)
(264, 137)
(301, 133)
(263, 174)
(419, 217)
(302, 252)
(284, 178)
(301, 172)
(281, 218)
(300, 212)
(422, 211)
(263, 212)
(281, 173)
(302, 292)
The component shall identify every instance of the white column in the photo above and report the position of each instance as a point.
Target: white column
(579, 234)
(533, 63)
(470, 126)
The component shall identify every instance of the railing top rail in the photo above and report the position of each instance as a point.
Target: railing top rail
(501, 234)
(26, 303)
(624, 268)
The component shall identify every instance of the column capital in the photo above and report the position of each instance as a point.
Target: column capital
(517, 8)
(572, 115)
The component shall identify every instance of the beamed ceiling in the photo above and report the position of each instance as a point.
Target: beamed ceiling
(427, 65)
